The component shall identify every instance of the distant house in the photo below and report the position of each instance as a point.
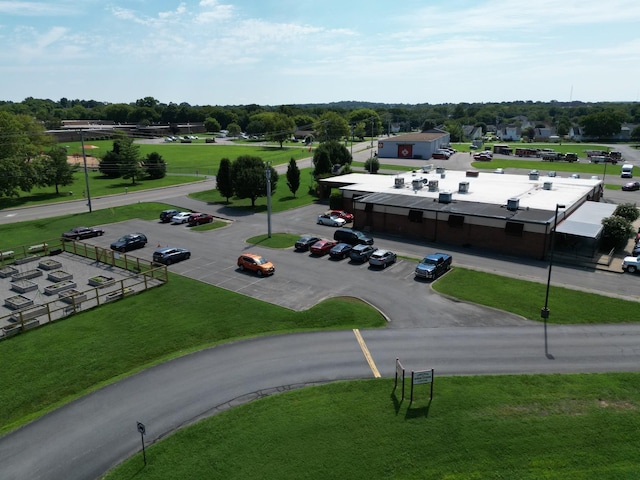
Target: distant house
(471, 132)
(543, 134)
(510, 133)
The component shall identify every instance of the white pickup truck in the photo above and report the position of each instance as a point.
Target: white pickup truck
(631, 264)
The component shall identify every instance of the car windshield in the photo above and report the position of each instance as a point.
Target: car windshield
(429, 261)
(260, 261)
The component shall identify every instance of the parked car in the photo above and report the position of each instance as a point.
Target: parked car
(167, 215)
(636, 250)
(182, 217)
(361, 253)
(326, 219)
(353, 237)
(322, 246)
(80, 233)
(433, 265)
(483, 156)
(348, 217)
(169, 255)
(304, 242)
(631, 264)
(199, 218)
(382, 258)
(255, 263)
(131, 241)
(631, 186)
(441, 154)
(341, 250)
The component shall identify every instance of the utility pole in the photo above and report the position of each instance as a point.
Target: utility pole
(86, 173)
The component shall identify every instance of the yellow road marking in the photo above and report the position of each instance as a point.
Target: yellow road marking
(367, 354)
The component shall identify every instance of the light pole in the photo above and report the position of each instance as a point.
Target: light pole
(544, 313)
(267, 172)
(604, 175)
(372, 137)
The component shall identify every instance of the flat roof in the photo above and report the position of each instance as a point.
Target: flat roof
(487, 188)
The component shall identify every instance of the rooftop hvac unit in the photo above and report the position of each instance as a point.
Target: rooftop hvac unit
(547, 185)
(433, 185)
(513, 204)
(534, 175)
(445, 197)
(416, 183)
(463, 187)
(399, 182)
(439, 169)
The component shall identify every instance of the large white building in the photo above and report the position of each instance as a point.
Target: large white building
(512, 214)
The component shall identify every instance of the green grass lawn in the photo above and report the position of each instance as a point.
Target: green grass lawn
(527, 298)
(63, 360)
(555, 427)
(201, 157)
(98, 187)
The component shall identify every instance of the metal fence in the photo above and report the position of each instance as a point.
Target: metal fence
(110, 276)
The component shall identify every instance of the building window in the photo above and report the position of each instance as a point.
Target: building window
(415, 216)
(456, 221)
(368, 207)
(514, 228)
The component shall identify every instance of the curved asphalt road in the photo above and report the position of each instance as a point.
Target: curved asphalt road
(84, 439)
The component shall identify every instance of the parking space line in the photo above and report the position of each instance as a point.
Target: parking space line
(366, 353)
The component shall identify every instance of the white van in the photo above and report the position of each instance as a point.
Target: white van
(627, 171)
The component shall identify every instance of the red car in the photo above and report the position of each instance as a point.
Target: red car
(200, 218)
(322, 247)
(348, 217)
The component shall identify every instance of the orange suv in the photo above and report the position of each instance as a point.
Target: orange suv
(255, 263)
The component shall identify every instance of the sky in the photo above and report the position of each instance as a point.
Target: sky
(277, 52)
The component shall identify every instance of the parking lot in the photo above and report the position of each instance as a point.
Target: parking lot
(302, 280)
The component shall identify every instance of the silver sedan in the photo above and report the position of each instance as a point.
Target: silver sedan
(332, 221)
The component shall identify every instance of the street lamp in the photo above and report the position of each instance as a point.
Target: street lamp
(544, 313)
(267, 172)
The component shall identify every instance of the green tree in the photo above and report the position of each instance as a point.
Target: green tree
(22, 139)
(130, 166)
(628, 211)
(211, 125)
(372, 165)
(338, 154)
(428, 125)
(360, 131)
(455, 130)
(635, 134)
(154, 166)
(369, 117)
(331, 126)
(280, 128)
(224, 182)
(293, 177)
(249, 178)
(602, 124)
(110, 164)
(234, 129)
(55, 170)
(616, 231)
(321, 163)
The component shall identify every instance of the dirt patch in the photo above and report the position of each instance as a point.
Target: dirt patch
(92, 162)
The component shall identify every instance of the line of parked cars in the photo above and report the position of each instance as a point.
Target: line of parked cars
(177, 217)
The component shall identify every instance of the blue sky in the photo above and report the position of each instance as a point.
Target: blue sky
(236, 52)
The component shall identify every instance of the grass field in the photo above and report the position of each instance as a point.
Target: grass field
(555, 427)
(200, 157)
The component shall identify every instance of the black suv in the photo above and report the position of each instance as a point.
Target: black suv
(167, 215)
(129, 242)
(169, 255)
(352, 237)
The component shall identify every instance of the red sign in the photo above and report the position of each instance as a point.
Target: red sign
(405, 151)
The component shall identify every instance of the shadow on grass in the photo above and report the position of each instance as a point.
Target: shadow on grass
(15, 202)
(416, 412)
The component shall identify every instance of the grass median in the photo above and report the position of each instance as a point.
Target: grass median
(555, 427)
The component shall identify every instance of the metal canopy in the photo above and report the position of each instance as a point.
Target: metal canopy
(586, 221)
